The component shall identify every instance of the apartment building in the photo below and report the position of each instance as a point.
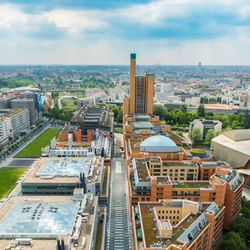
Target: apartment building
(177, 225)
(223, 187)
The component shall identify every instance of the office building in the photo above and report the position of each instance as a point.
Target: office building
(141, 91)
(60, 176)
(28, 104)
(49, 222)
(4, 135)
(17, 121)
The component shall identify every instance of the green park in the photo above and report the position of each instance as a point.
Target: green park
(33, 149)
(8, 179)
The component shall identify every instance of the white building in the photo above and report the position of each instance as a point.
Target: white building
(17, 120)
(3, 131)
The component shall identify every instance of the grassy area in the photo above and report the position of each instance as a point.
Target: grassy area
(69, 104)
(8, 179)
(192, 185)
(34, 148)
(204, 145)
(105, 179)
(98, 242)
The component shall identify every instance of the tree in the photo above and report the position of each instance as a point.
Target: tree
(201, 110)
(196, 135)
(241, 226)
(233, 241)
(210, 135)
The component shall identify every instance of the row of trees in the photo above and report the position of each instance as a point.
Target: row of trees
(118, 113)
(56, 113)
(180, 117)
(14, 82)
(238, 235)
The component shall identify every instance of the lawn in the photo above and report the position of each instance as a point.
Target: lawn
(69, 104)
(8, 179)
(33, 149)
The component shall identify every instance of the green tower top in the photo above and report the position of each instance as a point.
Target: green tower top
(133, 56)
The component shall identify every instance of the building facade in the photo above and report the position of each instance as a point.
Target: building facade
(141, 91)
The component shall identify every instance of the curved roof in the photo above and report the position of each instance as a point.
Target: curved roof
(158, 141)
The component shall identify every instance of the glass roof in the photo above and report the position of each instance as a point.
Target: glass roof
(64, 167)
(36, 217)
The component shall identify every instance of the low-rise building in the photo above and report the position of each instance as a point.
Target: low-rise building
(204, 126)
(49, 222)
(60, 176)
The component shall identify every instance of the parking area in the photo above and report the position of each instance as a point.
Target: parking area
(21, 163)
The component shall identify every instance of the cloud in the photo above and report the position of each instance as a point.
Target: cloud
(123, 25)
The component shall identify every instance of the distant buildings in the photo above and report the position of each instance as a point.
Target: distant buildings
(204, 126)
(24, 100)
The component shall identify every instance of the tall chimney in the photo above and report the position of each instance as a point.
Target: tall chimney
(132, 82)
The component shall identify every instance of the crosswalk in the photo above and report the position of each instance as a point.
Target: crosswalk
(118, 224)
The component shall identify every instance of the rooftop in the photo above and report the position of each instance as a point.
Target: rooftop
(9, 112)
(64, 170)
(158, 141)
(142, 171)
(149, 223)
(45, 219)
(198, 184)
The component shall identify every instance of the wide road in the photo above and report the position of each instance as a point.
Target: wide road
(118, 223)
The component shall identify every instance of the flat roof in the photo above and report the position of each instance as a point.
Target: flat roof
(9, 112)
(39, 218)
(241, 146)
(45, 219)
(64, 167)
(56, 170)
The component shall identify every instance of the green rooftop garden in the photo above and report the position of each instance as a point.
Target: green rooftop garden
(142, 171)
(192, 185)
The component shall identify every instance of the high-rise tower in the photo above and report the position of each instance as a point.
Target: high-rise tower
(141, 91)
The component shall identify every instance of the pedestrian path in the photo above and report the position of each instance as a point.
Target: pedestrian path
(118, 224)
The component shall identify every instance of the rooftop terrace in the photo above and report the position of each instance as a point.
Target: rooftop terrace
(149, 223)
(197, 184)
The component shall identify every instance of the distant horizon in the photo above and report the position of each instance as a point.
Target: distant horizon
(127, 65)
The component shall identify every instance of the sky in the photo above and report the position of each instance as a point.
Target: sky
(163, 32)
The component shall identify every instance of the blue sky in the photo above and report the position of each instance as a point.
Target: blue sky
(215, 32)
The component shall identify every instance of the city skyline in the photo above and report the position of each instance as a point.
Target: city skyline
(99, 33)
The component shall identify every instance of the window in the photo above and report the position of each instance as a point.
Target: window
(182, 170)
(176, 170)
(190, 237)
